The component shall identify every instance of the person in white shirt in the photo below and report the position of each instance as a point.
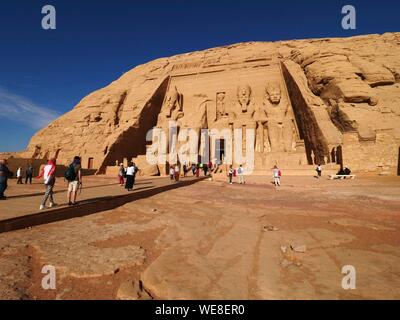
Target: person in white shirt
(19, 175)
(172, 173)
(49, 178)
(319, 171)
(240, 172)
(130, 171)
(276, 174)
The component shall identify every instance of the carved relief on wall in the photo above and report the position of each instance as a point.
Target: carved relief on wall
(220, 101)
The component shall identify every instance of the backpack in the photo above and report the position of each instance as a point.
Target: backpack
(70, 174)
(279, 173)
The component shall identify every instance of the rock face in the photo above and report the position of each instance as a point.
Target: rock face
(307, 101)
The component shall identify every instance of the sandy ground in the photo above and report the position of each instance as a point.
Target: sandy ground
(208, 241)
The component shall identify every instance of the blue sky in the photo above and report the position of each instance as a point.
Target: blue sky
(44, 73)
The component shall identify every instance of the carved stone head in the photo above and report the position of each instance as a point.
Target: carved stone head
(273, 92)
(172, 101)
(244, 96)
(172, 98)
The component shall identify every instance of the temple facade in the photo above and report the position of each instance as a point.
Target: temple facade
(291, 103)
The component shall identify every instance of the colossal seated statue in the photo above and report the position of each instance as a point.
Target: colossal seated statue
(279, 119)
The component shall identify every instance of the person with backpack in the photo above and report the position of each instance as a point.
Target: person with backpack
(29, 174)
(240, 172)
(74, 177)
(230, 174)
(130, 172)
(5, 173)
(49, 177)
(276, 175)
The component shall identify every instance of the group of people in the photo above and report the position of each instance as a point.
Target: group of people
(28, 174)
(239, 172)
(342, 171)
(73, 176)
(127, 176)
(175, 170)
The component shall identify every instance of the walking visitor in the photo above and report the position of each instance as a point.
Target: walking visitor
(29, 174)
(49, 178)
(19, 175)
(276, 174)
(121, 175)
(74, 177)
(5, 173)
(130, 171)
(240, 172)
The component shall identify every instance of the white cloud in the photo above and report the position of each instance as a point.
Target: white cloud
(21, 109)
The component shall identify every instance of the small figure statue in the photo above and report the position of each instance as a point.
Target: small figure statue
(221, 112)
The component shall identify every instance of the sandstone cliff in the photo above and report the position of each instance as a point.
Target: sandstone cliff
(343, 95)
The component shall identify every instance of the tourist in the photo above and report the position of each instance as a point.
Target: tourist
(135, 171)
(276, 174)
(121, 174)
(29, 174)
(205, 169)
(177, 171)
(194, 169)
(130, 172)
(340, 172)
(197, 170)
(74, 177)
(49, 177)
(5, 173)
(184, 170)
(230, 174)
(319, 171)
(172, 173)
(240, 172)
(19, 175)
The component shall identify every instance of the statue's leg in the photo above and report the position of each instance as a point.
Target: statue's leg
(288, 135)
(273, 132)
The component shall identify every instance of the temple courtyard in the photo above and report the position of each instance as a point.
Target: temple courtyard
(202, 239)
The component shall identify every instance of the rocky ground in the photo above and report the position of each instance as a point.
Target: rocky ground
(212, 240)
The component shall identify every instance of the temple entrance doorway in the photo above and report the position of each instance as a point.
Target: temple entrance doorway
(90, 163)
(220, 150)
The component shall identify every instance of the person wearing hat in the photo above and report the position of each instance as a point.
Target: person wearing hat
(121, 175)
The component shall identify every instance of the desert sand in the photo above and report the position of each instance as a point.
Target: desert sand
(212, 240)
